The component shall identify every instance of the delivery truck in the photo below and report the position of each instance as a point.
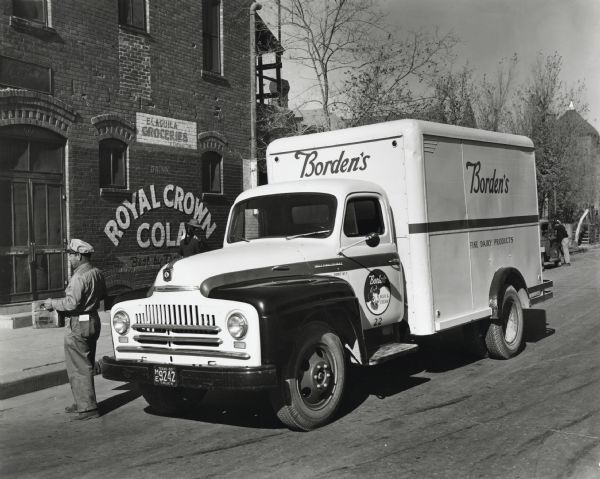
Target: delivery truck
(365, 240)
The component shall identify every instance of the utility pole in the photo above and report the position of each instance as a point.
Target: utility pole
(253, 163)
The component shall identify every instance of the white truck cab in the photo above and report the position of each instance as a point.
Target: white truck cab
(364, 240)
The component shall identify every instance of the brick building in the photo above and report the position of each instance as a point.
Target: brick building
(119, 120)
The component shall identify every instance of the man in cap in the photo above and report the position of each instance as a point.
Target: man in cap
(80, 305)
(192, 243)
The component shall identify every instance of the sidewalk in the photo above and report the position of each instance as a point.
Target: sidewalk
(34, 359)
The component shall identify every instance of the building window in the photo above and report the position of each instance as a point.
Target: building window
(33, 10)
(211, 173)
(113, 157)
(211, 35)
(132, 13)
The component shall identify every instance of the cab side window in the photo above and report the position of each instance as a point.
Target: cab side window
(363, 216)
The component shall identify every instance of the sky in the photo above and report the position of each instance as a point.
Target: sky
(490, 30)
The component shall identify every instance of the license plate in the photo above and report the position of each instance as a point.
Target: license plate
(165, 376)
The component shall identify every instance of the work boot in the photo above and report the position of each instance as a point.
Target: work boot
(71, 409)
(84, 416)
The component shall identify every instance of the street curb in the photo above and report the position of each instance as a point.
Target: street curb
(17, 384)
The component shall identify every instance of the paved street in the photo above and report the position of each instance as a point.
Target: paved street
(438, 414)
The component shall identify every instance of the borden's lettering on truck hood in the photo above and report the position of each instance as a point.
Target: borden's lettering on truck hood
(235, 264)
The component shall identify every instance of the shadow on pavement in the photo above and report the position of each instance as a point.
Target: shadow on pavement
(536, 326)
(437, 354)
(115, 402)
(441, 353)
(240, 408)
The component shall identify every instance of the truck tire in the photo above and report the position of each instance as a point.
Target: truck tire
(313, 380)
(167, 400)
(504, 338)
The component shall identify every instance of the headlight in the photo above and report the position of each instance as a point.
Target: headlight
(237, 325)
(120, 322)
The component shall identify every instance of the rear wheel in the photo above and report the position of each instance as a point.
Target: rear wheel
(313, 383)
(167, 400)
(504, 338)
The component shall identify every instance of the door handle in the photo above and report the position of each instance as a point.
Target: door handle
(394, 261)
(31, 253)
(280, 268)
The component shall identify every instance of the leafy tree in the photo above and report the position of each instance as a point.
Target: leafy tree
(453, 99)
(538, 113)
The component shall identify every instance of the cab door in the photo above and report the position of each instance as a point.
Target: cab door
(374, 265)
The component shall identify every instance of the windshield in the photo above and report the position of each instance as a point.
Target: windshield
(286, 215)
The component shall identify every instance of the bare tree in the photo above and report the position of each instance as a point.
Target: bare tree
(392, 83)
(349, 47)
(491, 107)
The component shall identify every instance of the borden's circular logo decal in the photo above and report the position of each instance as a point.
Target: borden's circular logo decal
(377, 292)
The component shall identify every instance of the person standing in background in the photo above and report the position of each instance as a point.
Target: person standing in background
(563, 240)
(192, 243)
(80, 305)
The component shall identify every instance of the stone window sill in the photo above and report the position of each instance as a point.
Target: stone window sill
(134, 30)
(214, 78)
(31, 27)
(115, 193)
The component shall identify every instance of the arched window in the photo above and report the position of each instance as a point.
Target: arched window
(211, 172)
(113, 164)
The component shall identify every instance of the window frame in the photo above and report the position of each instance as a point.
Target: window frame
(44, 22)
(126, 8)
(207, 160)
(382, 215)
(210, 37)
(112, 143)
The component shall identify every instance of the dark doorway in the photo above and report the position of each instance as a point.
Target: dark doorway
(32, 262)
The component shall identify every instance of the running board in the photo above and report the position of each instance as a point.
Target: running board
(391, 351)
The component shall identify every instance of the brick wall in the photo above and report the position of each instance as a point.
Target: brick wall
(100, 68)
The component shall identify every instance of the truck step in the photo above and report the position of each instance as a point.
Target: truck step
(391, 351)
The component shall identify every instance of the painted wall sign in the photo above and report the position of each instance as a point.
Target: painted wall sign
(160, 130)
(158, 234)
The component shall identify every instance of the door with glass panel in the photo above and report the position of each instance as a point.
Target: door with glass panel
(32, 262)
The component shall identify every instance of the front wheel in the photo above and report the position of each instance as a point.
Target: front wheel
(313, 381)
(167, 400)
(504, 338)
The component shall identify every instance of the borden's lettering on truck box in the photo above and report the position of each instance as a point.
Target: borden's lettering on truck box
(363, 241)
(313, 166)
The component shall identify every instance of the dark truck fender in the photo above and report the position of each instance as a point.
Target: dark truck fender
(502, 278)
(286, 304)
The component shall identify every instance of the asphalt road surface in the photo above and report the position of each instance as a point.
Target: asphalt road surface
(438, 413)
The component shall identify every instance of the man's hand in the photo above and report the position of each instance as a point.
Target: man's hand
(48, 305)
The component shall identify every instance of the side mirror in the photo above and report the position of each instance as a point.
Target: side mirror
(372, 240)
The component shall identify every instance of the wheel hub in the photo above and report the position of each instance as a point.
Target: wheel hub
(317, 380)
(511, 326)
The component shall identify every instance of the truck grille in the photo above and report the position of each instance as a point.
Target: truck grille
(174, 315)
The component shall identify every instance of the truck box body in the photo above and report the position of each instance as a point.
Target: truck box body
(464, 203)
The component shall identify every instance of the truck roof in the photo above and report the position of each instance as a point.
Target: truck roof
(394, 129)
(340, 187)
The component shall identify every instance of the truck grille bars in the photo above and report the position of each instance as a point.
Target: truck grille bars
(175, 317)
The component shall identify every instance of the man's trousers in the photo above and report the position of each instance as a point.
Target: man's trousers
(80, 353)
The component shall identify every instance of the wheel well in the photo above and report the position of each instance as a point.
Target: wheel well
(341, 322)
(502, 278)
